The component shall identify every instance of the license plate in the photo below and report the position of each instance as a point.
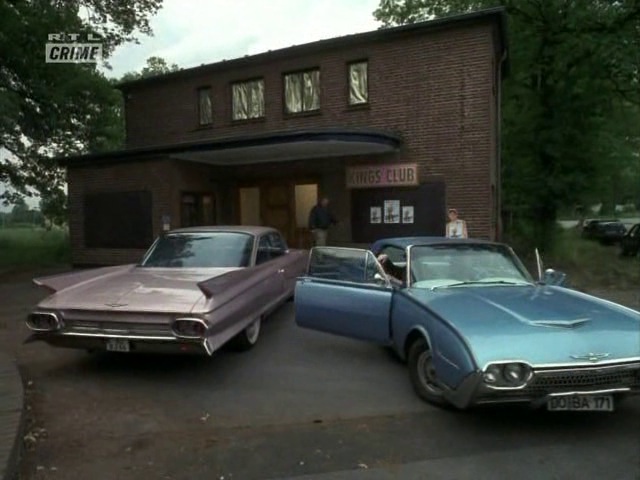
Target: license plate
(584, 403)
(117, 345)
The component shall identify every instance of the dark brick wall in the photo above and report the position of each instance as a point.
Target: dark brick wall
(437, 90)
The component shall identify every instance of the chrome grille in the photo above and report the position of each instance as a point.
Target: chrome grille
(117, 328)
(549, 381)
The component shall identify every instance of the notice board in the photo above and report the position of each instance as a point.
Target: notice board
(398, 211)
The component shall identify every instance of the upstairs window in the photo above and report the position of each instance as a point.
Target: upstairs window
(302, 91)
(247, 100)
(358, 83)
(205, 107)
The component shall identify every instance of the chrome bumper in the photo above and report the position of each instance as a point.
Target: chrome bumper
(619, 378)
(139, 343)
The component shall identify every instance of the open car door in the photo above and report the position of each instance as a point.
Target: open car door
(345, 292)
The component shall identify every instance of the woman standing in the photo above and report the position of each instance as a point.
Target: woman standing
(456, 228)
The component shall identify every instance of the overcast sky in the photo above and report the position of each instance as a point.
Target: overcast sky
(192, 32)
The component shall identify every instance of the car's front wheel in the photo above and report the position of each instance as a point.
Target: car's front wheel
(247, 338)
(423, 374)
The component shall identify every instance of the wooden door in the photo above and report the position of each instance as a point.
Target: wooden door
(276, 208)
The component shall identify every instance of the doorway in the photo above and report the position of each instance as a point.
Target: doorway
(284, 205)
(197, 209)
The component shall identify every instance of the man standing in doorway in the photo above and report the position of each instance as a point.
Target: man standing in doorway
(320, 219)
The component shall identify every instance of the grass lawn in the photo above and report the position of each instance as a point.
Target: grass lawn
(33, 247)
(590, 265)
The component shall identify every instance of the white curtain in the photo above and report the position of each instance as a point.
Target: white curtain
(302, 91)
(248, 100)
(358, 83)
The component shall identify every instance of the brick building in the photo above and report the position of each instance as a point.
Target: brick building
(392, 125)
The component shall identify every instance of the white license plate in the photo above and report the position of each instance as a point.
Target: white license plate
(584, 403)
(117, 345)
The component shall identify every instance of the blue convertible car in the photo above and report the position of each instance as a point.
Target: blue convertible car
(473, 325)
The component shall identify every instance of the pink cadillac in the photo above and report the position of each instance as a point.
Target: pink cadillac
(195, 290)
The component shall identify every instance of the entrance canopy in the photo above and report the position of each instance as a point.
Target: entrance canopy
(274, 147)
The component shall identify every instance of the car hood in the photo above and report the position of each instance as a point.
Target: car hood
(537, 324)
(137, 289)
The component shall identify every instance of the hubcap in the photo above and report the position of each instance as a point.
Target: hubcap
(252, 331)
(427, 374)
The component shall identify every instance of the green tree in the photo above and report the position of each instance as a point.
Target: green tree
(574, 66)
(154, 66)
(49, 110)
(20, 212)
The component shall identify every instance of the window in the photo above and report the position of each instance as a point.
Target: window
(397, 255)
(263, 254)
(358, 83)
(278, 245)
(270, 246)
(205, 107)
(344, 265)
(200, 250)
(197, 209)
(118, 220)
(302, 91)
(247, 100)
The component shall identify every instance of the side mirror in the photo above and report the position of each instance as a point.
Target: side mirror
(378, 278)
(553, 277)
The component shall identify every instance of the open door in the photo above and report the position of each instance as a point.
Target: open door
(345, 292)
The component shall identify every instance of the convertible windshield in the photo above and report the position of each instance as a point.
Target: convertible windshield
(439, 266)
(200, 250)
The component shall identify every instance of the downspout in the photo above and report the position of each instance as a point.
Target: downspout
(498, 192)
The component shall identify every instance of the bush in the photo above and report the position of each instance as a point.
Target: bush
(34, 247)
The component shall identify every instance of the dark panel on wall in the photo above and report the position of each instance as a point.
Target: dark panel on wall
(429, 214)
(118, 220)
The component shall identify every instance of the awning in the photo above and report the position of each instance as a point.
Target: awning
(247, 150)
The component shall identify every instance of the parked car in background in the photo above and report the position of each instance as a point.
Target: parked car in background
(473, 325)
(630, 243)
(195, 290)
(606, 231)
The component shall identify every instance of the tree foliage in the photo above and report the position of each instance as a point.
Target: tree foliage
(49, 110)
(154, 66)
(570, 104)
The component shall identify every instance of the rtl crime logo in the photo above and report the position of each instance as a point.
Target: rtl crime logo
(73, 48)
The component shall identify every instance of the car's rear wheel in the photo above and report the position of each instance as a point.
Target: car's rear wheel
(247, 338)
(423, 374)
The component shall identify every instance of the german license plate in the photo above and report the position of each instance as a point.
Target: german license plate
(117, 345)
(584, 403)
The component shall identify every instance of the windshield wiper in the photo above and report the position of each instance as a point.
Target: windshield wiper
(480, 282)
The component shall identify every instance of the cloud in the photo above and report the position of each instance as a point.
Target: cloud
(206, 31)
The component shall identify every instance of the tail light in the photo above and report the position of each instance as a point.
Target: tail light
(43, 322)
(189, 328)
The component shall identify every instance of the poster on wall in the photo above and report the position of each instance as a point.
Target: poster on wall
(407, 214)
(166, 223)
(392, 211)
(375, 215)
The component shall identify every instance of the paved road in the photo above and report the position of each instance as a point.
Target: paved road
(300, 405)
